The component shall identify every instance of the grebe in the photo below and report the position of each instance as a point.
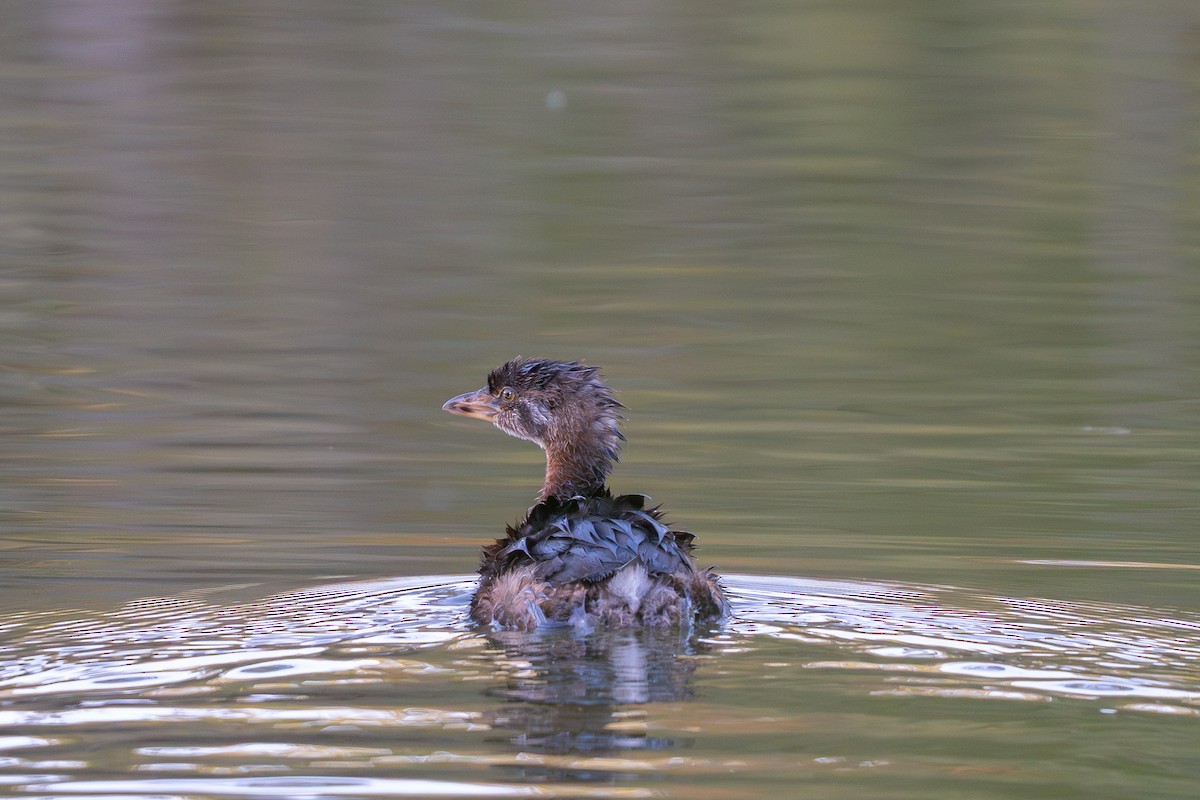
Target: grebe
(580, 555)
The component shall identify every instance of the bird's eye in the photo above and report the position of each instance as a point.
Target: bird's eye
(507, 394)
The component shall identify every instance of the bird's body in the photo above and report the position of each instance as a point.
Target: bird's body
(581, 555)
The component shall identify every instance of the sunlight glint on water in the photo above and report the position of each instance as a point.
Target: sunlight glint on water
(385, 660)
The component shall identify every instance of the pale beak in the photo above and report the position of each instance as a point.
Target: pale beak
(480, 405)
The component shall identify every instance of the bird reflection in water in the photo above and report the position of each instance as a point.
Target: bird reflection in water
(573, 693)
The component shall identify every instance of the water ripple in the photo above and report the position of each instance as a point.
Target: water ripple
(383, 688)
(319, 786)
(356, 632)
(1050, 648)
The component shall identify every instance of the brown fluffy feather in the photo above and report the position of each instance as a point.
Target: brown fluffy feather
(580, 555)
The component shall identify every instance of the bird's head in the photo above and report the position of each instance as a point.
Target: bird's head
(563, 407)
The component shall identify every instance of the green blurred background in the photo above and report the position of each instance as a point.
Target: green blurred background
(891, 290)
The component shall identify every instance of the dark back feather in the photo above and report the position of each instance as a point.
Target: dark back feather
(589, 538)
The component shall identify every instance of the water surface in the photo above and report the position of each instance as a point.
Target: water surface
(382, 688)
(901, 300)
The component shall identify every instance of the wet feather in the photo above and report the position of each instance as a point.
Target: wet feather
(580, 554)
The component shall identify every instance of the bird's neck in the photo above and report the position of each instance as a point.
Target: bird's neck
(576, 468)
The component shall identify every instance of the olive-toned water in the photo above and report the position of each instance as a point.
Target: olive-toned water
(903, 301)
